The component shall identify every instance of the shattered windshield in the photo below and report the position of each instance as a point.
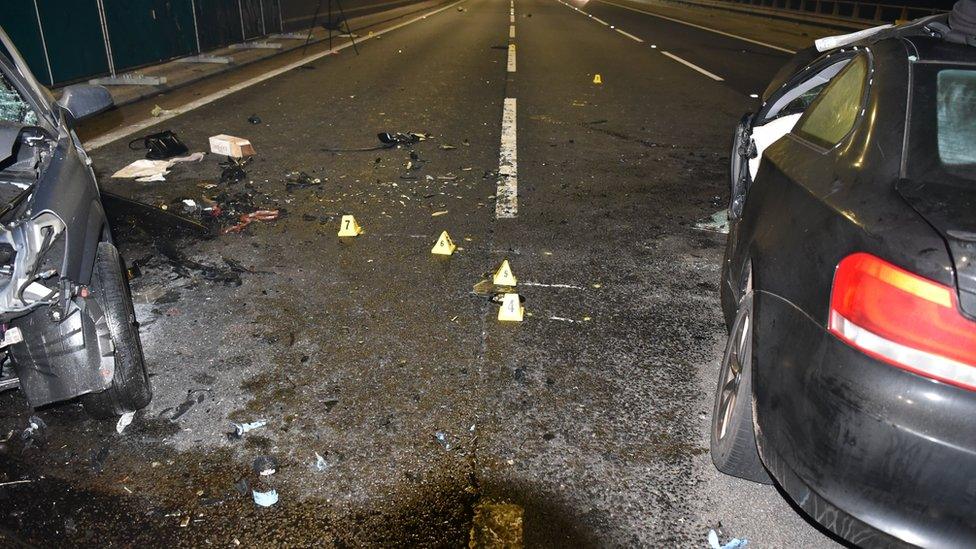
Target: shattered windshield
(13, 108)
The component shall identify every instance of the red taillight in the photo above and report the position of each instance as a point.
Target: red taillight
(903, 319)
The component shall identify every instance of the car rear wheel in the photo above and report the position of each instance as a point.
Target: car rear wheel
(130, 390)
(733, 440)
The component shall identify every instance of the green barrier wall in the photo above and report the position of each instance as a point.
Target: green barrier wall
(20, 20)
(143, 32)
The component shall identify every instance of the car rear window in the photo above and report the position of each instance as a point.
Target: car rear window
(956, 117)
(943, 128)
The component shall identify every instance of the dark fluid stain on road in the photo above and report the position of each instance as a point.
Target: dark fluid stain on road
(160, 498)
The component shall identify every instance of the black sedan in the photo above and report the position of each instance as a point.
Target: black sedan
(849, 289)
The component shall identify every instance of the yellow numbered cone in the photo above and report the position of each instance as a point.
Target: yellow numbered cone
(504, 275)
(444, 245)
(511, 309)
(597, 79)
(349, 227)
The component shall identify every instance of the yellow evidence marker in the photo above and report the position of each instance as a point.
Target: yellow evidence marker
(444, 246)
(349, 227)
(511, 309)
(597, 79)
(504, 276)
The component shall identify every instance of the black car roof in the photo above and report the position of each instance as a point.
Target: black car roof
(933, 49)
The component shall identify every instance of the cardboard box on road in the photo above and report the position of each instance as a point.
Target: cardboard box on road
(228, 145)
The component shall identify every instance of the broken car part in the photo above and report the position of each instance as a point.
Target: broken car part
(160, 146)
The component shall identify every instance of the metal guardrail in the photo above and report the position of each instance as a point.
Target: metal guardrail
(846, 9)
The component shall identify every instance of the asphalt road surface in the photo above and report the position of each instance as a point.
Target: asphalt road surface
(399, 409)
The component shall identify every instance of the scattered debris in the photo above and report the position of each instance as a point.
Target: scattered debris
(13, 482)
(734, 543)
(232, 170)
(265, 499)
(387, 141)
(145, 170)
(242, 486)
(182, 265)
(240, 429)
(320, 463)
(161, 224)
(439, 213)
(254, 119)
(159, 146)
(302, 181)
(442, 439)
(98, 459)
(265, 465)
(124, 422)
(718, 223)
(193, 397)
(234, 147)
(34, 427)
(247, 219)
(401, 138)
(158, 111)
(446, 147)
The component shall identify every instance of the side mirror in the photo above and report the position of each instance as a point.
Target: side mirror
(83, 100)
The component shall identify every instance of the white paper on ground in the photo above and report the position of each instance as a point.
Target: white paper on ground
(153, 170)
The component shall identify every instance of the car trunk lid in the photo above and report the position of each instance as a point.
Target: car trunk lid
(950, 210)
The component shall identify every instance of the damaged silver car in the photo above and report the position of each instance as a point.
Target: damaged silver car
(66, 315)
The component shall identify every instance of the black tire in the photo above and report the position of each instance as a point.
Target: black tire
(733, 440)
(130, 390)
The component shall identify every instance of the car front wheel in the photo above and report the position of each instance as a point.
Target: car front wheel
(733, 441)
(130, 390)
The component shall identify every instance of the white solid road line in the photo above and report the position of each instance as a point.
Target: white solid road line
(628, 35)
(713, 76)
(598, 20)
(704, 28)
(114, 135)
(506, 196)
(511, 18)
(511, 31)
(511, 58)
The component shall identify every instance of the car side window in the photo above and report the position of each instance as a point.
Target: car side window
(833, 113)
(13, 108)
(803, 101)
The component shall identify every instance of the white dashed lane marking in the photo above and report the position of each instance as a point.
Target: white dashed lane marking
(628, 35)
(506, 195)
(713, 76)
(511, 58)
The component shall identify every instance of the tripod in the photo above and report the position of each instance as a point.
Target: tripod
(331, 25)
